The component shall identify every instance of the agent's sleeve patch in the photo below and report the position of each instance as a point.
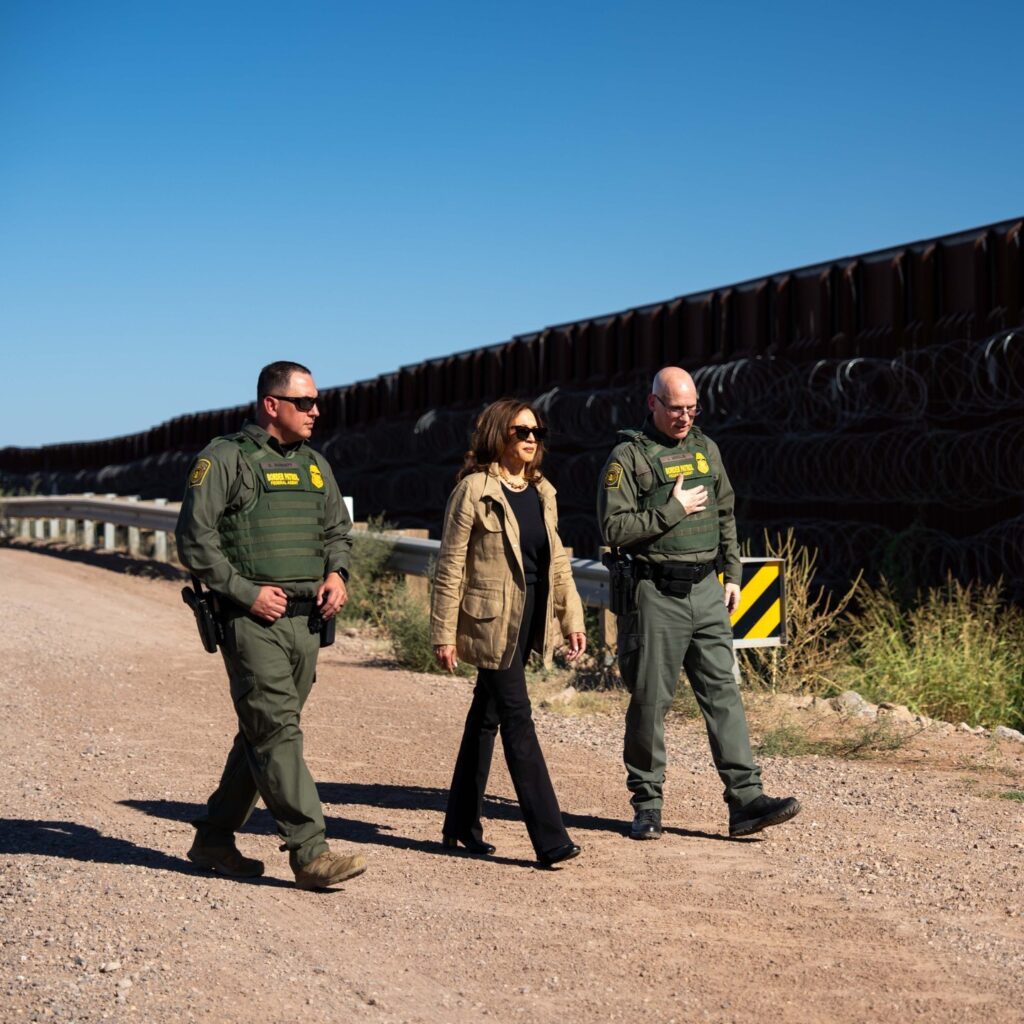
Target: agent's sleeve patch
(198, 475)
(613, 477)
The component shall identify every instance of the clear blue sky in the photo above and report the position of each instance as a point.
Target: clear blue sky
(191, 189)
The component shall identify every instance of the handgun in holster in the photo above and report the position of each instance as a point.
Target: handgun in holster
(621, 582)
(325, 627)
(208, 621)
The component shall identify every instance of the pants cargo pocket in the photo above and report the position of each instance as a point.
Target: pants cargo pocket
(630, 649)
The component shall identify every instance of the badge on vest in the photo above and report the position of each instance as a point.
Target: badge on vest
(198, 475)
(702, 463)
(315, 475)
(680, 464)
(283, 479)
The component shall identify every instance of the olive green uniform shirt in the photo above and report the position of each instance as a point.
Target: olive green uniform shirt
(627, 476)
(228, 485)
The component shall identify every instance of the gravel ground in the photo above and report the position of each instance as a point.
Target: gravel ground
(896, 894)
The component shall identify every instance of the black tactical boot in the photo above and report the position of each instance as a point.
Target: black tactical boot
(762, 813)
(646, 824)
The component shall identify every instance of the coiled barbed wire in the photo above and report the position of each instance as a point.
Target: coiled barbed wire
(927, 556)
(951, 380)
(935, 433)
(911, 465)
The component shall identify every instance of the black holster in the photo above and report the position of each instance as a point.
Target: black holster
(621, 583)
(208, 620)
(325, 627)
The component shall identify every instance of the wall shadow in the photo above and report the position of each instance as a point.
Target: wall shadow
(114, 561)
(375, 830)
(72, 841)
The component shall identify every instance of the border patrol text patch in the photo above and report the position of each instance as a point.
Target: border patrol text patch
(283, 479)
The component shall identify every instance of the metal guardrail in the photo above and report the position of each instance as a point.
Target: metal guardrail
(57, 517)
(411, 555)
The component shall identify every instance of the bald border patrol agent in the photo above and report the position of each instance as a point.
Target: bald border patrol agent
(666, 509)
(263, 525)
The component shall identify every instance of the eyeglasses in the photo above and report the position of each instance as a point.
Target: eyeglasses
(693, 411)
(523, 433)
(301, 402)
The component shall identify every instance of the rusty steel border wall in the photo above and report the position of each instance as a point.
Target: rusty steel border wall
(841, 394)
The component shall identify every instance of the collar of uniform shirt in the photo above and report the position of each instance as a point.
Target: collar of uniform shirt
(650, 430)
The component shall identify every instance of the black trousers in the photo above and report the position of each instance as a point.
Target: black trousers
(500, 701)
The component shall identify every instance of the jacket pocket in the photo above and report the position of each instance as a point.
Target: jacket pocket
(482, 604)
(490, 521)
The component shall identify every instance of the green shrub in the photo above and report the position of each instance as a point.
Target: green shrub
(371, 584)
(791, 740)
(956, 654)
(598, 668)
(406, 621)
(813, 657)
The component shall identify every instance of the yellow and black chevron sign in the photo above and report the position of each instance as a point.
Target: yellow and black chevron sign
(760, 619)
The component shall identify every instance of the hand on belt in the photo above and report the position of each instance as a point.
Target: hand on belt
(684, 572)
(300, 607)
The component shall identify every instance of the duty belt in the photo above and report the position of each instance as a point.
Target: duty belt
(300, 606)
(674, 578)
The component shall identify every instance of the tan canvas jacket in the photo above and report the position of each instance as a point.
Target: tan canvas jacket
(479, 584)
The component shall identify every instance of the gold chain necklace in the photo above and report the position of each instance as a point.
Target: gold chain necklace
(513, 485)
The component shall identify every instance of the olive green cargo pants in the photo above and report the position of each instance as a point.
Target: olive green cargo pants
(271, 669)
(662, 636)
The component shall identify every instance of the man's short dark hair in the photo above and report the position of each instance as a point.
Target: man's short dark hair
(274, 377)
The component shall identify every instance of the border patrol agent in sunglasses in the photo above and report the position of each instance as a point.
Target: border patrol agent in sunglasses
(665, 506)
(263, 525)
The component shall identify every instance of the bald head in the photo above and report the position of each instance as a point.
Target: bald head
(672, 378)
(673, 401)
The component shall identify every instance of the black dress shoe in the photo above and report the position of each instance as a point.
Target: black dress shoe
(549, 858)
(762, 813)
(646, 824)
(472, 845)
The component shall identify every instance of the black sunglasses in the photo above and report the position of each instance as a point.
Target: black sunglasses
(523, 433)
(303, 402)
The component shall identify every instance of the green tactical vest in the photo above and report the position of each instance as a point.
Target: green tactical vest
(279, 536)
(691, 460)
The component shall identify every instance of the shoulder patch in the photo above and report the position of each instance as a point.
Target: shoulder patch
(198, 475)
(613, 477)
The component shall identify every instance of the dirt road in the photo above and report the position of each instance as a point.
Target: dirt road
(895, 895)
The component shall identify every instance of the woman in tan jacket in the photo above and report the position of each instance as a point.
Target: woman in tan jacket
(503, 587)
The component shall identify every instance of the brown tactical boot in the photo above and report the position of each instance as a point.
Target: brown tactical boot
(224, 860)
(329, 869)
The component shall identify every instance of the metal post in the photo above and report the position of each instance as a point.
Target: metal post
(609, 628)
(160, 537)
(88, 528)
(418, 586)
(110, 533)
(134, 535)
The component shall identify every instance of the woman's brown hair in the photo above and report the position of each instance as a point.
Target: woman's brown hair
(491, 435)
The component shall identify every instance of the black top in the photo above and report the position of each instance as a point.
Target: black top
(533, 538)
